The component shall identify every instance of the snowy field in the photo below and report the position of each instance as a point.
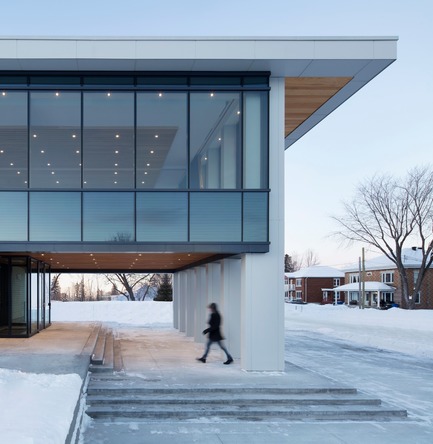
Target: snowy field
(45, 403)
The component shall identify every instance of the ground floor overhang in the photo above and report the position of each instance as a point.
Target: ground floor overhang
(138, 258)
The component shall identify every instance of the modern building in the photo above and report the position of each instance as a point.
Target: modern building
(383, 279)
(163, 154)
(312, 284)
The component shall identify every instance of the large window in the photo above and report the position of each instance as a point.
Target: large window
(13, 140)
(215, 217)
(215, 131)
(55, 216)
(108, 217)
(13, 216)
(162, 140)
(162, 217)
(55, 139)
(108, 140)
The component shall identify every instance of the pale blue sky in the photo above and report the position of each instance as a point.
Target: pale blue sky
(387, 126)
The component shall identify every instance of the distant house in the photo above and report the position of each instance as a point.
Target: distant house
(381, 270)
(306, 284)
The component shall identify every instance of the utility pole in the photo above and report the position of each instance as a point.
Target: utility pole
(363, 278)
(359, 282)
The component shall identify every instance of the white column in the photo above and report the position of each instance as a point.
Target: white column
(190, 293)
(176, 292)
(231, 304)
(213, 282)
(200, 303)
(262, 276)
(182, 301)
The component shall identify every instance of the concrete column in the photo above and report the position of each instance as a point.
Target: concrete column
(176, 292)
(214, 282)
(200, 303)
(182, 301)
(190, 302)
(231, 304)
(262, 276)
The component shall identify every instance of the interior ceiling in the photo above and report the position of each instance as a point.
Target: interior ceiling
(305, 95)
(115, 262)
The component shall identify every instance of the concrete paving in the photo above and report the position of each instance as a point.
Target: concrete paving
(166, 357)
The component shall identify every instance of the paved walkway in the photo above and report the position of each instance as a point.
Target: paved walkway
(167, 357)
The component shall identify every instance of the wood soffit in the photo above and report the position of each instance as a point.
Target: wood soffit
(305, 95)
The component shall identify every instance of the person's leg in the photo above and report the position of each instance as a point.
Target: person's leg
(223, 348)
(203, 358)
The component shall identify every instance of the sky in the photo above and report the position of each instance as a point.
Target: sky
(385, 128)
(48, 400)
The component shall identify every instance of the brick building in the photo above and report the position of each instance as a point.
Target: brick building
(381, 269)
(306, 284)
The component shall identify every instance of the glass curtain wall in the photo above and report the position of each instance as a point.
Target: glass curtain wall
(122, 164)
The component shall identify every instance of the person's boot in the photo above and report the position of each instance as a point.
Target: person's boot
(202, 360)
(229, 361)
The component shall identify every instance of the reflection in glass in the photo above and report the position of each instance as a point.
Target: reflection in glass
(108, 140)
(255, 217)
(34, 297)
(161, 140)
(215, 127)
(13, 140)
(255, 139)
(108, 217)
(13, 216)
(162, 217)
(55, 216)
(55, 139)
(215, 217)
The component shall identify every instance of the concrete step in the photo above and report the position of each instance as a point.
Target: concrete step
(102, 358)
(114, 397)
(230, 412)
(248, 399)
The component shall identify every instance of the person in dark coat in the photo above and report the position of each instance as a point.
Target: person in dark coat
(214, 334)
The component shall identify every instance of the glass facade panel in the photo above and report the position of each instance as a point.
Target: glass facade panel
(255, 140)
(215, 217)
(162, 217)
(55, 216)
(162, 140)
(19, 300)
(13, 219)
(34, 297)
(108, 140)
(108, 217)
(13, 140)
(215, 134)
(55, 139)
(255, 212)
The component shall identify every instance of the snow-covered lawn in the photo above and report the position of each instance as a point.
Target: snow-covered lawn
(40, 407)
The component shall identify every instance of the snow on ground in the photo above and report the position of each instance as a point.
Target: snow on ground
(40, 407)
(405, 331)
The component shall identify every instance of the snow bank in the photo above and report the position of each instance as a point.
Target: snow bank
(148, 313)
(37, 408)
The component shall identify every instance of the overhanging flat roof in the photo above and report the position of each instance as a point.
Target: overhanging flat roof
(321, 72)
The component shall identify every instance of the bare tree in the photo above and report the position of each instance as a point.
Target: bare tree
(310, 259)
(125, 283)
(387, 213)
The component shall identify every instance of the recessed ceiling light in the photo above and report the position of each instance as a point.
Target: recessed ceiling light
(18, 172)
(3, 93)
(52, 172)
(77, 152)
(160, 94)
(74, 136)
(12, 164)
(151, 151)
(108, 94)
(117, 136)
(156, 136)
(48, 164)
(57, 94)
(145, 172)
(35, 135)
(57, 181)
(116, 152)
(42, 151)
(116, 164)
(1, 151)
(115, 172)
(238, 112)
(148, 164)
(211, 94)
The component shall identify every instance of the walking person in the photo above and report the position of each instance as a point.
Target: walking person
(214, 334)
